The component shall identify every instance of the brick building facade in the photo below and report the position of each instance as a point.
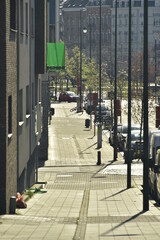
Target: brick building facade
(75, 17)
(23, 31)
(8, 103)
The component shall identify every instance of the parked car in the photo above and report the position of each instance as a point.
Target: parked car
(157, 177)
(154, 146)
(121, 136)
(151, 133)
(136, 145)
(154, 178)
(111, 134)
(68, 97)
(153, 149)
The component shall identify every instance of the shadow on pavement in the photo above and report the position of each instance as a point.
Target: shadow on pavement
(88, 147)
(123, 190)
(122, 223)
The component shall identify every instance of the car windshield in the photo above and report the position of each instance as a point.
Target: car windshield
(103, 108)
(72, 94)
(124, 129)
(136, 136)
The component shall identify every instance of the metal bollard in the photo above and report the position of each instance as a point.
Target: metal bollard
(99, 158)
(12, 206)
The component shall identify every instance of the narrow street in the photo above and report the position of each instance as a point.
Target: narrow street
(82, 200)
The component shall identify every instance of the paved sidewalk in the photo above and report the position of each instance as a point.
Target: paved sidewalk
(83, 200)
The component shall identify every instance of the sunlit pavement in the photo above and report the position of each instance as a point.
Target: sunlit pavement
(82, 200)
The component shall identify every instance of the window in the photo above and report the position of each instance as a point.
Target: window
(137, 4)
(27, 101)
(21, 15)
(32, 22)
(151, 3)
(9, 114)
(26, 18)
(33, 100)
(12, 14)
(20, 106)
(36, 91)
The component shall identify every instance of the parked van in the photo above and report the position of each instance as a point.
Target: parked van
(157, 185)
(151, 133)
(153, 157)
(154, 146)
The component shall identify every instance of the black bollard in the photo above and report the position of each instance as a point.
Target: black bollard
(99, 158)
(12, 206)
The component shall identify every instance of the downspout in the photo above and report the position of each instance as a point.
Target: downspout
(30, 81)
(18, 35)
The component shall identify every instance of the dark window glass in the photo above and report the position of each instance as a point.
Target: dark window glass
(151, 3)
(12, 14)
(21, 15)
(137, 4)
(9, 114)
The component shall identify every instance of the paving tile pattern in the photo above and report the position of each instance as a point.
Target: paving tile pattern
(82, 200)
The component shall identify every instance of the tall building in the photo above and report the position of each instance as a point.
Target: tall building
(77, 15)
(23, 30)
(136, 29)
(8, 102)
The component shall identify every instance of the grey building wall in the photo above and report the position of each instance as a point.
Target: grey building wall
(42, 31)
(29, 102)
(8, 87)
(43, 148)
(23, 82)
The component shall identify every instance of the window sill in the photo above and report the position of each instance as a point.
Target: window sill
(28, 116)
(13, 30)
(10, 135)
(22, 33)
(21, 123)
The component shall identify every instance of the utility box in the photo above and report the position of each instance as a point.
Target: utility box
(92, 102)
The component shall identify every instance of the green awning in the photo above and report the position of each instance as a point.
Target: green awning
(55, 56)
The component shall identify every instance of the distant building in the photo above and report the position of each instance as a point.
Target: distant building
(90, 19)
(137, 28)
(79, 14)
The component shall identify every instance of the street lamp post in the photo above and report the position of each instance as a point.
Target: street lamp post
(84, 30)
(155, 46)
(90, 39)
(99, 135)
(115, 88)
(80, 87)
(129, 103)
(145, 100)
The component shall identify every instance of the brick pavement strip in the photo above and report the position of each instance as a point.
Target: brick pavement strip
(83, 200)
